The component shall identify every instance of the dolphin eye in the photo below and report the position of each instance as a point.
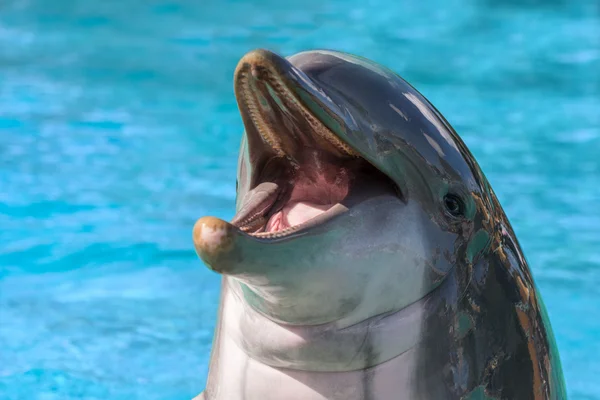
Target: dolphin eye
(454, 205)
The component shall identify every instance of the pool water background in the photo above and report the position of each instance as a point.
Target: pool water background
(119, 128)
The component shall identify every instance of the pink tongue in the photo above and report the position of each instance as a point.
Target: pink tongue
(295, 213)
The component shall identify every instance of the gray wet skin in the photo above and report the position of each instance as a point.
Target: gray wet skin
(411, 285)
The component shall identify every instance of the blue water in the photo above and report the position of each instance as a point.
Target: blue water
(118, 129)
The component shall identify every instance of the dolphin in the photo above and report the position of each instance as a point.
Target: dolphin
(369, 257)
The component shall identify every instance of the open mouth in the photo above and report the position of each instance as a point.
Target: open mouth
(302, 173)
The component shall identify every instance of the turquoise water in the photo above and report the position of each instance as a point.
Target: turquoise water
(118, 129)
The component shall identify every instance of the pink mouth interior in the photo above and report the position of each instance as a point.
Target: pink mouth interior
(317, 188)
(295, 214)
(299, 192)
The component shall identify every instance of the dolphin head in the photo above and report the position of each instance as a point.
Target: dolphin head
(355, 197)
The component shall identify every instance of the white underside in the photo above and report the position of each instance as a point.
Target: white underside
(239, 377)
(236, 375)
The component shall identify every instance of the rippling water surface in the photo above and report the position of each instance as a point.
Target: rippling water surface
(118, 129)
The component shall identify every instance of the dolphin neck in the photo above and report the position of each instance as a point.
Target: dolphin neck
(323, 347)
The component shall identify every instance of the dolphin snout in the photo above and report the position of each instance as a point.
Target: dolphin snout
(227, 250)
(213, 240)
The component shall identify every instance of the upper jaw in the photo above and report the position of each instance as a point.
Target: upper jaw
(266, 87)
(288, 147)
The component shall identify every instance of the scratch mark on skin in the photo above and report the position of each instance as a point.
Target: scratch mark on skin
(362, 345)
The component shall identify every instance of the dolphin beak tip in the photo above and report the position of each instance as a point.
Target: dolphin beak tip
(213, 239)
